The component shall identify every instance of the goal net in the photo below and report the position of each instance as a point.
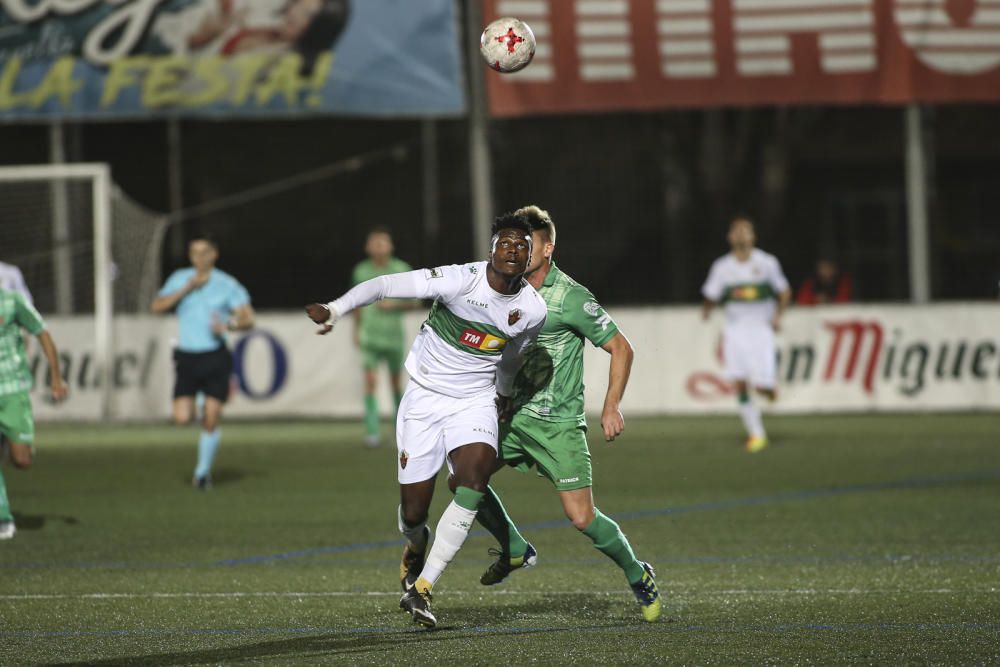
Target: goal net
(83, 246)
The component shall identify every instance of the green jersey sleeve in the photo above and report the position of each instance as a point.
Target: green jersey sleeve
(27, 316)
(358, 274)
(586, 316)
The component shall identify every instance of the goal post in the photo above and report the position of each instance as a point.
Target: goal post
(84, 248)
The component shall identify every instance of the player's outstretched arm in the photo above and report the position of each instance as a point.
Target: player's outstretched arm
(622, 354)
(443, 282)
(706, 309)
(52, 356)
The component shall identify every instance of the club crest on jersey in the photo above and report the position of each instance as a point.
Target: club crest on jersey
(433, 273)
(513, 316)
(403, 458)
(482, 340)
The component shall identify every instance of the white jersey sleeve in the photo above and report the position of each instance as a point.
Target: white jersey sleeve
(443, 282)
(777, 276)
(715, 284)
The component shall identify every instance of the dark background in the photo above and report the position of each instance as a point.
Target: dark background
(641, 201)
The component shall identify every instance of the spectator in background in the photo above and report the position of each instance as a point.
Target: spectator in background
(12, 279)
(826, 285)
(378, 328)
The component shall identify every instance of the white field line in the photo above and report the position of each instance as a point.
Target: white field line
(337, 594)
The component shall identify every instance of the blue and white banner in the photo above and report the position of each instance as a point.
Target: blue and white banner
(831, 359)
(147, 58)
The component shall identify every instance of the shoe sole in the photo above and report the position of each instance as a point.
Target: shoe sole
(423, 620)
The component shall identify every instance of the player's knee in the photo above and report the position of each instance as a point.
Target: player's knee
(413, 516)
(581, 519)
(182, 419)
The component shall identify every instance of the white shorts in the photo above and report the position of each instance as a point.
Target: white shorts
(429, 425)
(750, 355)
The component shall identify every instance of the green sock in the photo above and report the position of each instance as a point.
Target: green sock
(5, 514)
(371, 415)
(610, 541)
(468, 499)
(495, 519)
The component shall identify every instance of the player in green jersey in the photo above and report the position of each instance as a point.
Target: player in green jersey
(17, 425)
(378, 328)
(543, 423)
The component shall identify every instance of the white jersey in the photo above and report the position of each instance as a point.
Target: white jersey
(748, 289)
(474, 337)
(12, 279)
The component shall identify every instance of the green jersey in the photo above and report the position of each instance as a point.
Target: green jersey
(16, 313)
(550, 383)
(379, 328)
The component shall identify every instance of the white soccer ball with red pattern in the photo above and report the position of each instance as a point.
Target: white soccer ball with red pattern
(507, 45)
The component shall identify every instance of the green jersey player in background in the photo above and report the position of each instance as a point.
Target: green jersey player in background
(378, 328)
(543, 423)
(17, 424)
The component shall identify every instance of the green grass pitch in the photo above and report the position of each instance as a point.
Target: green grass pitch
(853, 539)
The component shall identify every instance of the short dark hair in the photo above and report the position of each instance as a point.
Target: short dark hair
(379, 229)
(511, 220)
(207, 238)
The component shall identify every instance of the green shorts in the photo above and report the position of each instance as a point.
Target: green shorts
(372, 356)
(558, 449)
(17, 423)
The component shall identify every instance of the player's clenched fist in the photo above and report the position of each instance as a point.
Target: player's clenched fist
(320, 314)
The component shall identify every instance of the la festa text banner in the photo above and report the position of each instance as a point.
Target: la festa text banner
(141, 58)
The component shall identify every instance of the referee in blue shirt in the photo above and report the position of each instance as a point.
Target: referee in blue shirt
(209, 303)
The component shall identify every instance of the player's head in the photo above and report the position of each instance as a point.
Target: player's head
(510, 248)
(543, 235)
(203, 252)
(826, 270)
(378, 244)
(741, 233)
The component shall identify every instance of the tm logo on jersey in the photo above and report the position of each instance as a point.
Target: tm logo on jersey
(481, 340)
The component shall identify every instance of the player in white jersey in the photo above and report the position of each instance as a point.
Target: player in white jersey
(12, 279)
(468, 351)
(755, 292)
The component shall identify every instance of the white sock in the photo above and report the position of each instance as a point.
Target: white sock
(750, 414)
(452, 529)
(415, 535)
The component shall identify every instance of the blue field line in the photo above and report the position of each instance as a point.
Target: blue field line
(711, 506)
(482, 630)
(809, 494)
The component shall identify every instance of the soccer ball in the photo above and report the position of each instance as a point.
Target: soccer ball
(507, 45)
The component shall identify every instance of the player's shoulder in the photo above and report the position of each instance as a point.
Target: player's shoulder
(463, 272)
(181, 274)
(227, 279)
(533, 302)
(575, 290)
(764, 257)
(399, 266)
(723, 261)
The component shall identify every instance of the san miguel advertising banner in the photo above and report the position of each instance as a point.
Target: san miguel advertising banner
(833, 359)
(135, 58)
(606, 55)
